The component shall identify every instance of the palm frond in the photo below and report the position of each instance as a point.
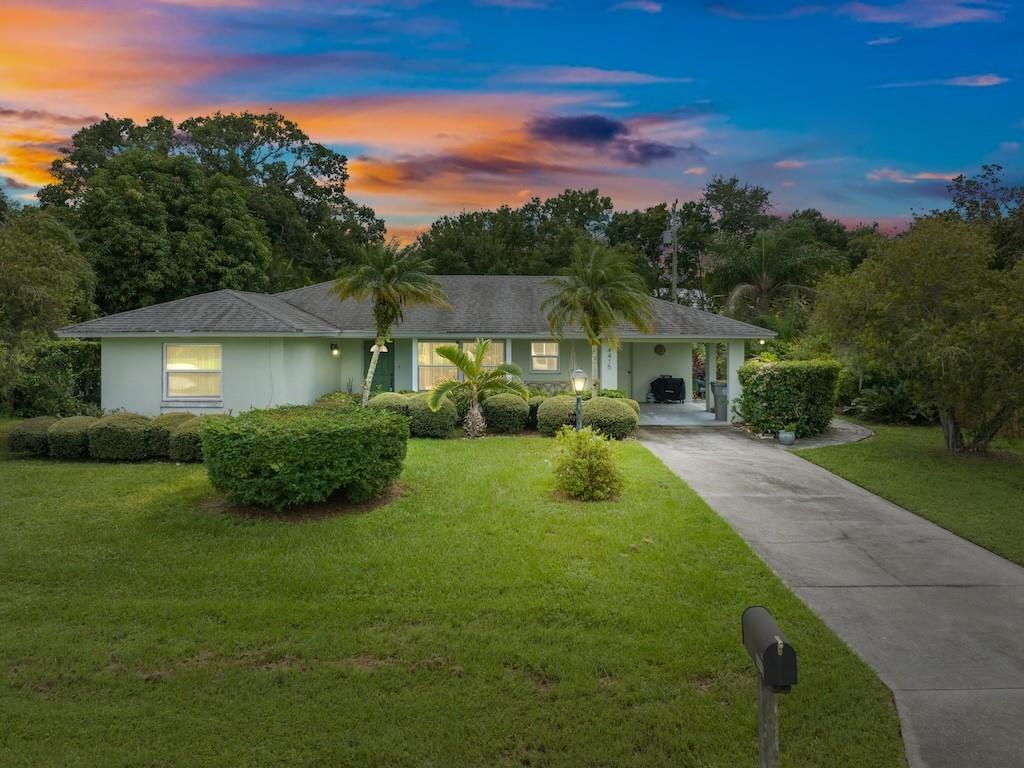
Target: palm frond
(441, 391)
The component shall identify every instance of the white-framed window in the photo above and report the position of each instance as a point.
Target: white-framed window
(433, 369)
(192, 371)
(495, 352)
(544, 356)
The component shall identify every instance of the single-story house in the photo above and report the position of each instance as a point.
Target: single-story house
(229, 351)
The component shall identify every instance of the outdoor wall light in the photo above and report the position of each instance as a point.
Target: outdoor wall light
(381, 348)
(579, 380)
(335, 352)
(761, 342)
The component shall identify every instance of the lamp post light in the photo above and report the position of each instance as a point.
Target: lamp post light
(579, 381)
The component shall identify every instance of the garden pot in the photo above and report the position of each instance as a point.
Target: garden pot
(786, 437)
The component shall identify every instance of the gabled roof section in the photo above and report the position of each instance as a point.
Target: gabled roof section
(498, 304)
(221, 312)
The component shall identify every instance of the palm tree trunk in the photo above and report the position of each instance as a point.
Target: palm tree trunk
(372, 369)
(474, 423)
(594, 370)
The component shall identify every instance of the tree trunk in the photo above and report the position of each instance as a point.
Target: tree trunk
(594, 369)
(474, 423)
(981, 439)
(371, 370)
(951, 431)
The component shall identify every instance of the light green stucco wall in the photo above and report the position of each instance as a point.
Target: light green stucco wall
(572, 354)
(645, 366)
(256, 372)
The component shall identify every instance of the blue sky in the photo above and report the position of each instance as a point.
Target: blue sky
(861, 109)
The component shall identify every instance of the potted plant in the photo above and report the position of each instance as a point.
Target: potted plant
(787, 435)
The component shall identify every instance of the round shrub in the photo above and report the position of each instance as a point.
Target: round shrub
(69, 438)
(584, 467)
(160, 431)
(121, 437)
(612, 417)
(390, 401)
(534, 403)
(338, 400)
(790, 392)
(184, 445)
(555, 413)
(30, 436)
(283, 457)
(424, 422)
(505, 413)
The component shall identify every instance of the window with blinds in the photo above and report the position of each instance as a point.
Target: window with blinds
(544, 356)
(433, 369)
(192, 370)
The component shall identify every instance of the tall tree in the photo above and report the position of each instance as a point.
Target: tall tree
(392, 278)
(694, 239)
(988, 199)
(5, 207)
(643, 233)
(738, 209)
(930, 309)
(598, 290)
(157, 227)
(478, 380)
(296, 187)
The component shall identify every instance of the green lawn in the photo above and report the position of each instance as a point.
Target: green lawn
(979, 497)
(473, 621)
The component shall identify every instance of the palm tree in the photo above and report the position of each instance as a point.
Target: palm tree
(478, 381)
(393, 278)
(598, 290)
(772, 268)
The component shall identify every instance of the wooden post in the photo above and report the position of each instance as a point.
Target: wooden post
(767, 726)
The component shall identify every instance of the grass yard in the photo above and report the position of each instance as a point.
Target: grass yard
(473, 621)
(979, 497)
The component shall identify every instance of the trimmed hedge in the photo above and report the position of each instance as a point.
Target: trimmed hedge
(584, 467)
(185, 445)
(338, 399)
(534, 403)
(390, 401)
(613, 417)
(121, 437)
(283, 457)
(31, 436)
(69, 438)
(424, 422)
(505, 413)
(160, 432)
(800, 392)
(555, 413)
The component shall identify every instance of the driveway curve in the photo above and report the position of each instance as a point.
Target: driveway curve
(940, 619)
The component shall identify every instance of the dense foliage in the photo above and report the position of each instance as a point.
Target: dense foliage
(424, 421)
(121, 437)
(505, 413)
(933, 309)
(31, 436)
(795, 394)
(160, 432)
(69, 437)
(57, 377)
(301, 455)
(185, 445)
(613, 417)
(584, 467)
(555, 413)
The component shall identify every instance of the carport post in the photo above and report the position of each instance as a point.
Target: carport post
(737, 353)
(710, 372)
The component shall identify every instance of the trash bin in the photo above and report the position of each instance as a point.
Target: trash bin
(720, 392)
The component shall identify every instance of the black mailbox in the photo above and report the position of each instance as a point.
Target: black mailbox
(773, 656)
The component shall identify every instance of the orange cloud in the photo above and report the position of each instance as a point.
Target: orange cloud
(25, 156)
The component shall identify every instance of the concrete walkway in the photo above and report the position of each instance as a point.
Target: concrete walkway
(939, 619)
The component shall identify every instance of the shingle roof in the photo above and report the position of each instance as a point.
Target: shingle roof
(488, 305)
(223, 311)
(499, 304)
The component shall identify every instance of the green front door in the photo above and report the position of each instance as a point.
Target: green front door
(384, 376)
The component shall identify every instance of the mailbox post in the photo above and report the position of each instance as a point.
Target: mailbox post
(775, 661)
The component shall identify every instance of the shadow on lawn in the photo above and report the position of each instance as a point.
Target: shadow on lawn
(336, 506)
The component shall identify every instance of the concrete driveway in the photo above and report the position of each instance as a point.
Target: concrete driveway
(940, 620)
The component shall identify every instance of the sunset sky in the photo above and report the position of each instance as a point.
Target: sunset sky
(861, 109)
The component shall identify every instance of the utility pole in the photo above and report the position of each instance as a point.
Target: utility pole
(674, 225)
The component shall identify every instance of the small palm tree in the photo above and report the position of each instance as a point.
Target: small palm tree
(393, 278)
(477, 381)
(598, 290)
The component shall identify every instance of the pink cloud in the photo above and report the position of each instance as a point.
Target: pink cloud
(587, 76)
(925, 13)
(791, 164)
(697, 170)
(900, 177)
(885, 40)
(962, 81)
(645, 6)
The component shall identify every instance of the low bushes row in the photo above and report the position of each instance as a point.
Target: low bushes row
(287, 456)
(423, 422)
(791, 393)
(616, 418)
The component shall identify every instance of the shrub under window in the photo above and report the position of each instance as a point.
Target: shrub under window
(185, 445)
(160, 432)
(121, 437)
(613, 417)
(792, 392)
(505, 413)
(69, 438)
(283, 457)
(424, 422)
